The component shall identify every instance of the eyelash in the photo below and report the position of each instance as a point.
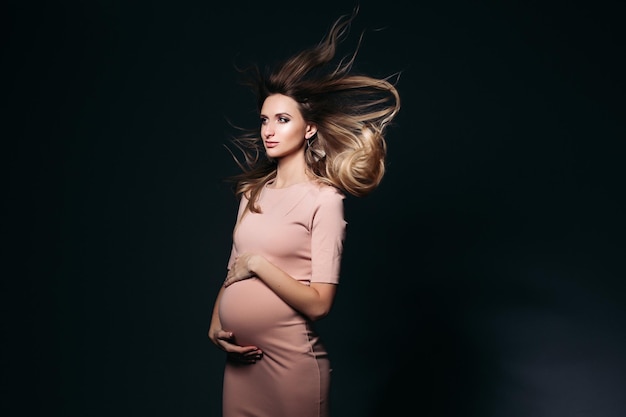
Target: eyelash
(280, 119)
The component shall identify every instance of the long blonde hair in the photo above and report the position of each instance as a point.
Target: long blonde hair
(351, 112)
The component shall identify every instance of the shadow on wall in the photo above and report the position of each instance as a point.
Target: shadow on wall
(538, 347)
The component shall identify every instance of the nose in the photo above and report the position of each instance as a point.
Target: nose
(267, 130)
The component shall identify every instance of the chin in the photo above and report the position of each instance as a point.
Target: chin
(274, 155)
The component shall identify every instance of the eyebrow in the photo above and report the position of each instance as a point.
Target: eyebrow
(279, 114)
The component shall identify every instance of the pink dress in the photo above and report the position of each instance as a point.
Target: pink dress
(301, 230)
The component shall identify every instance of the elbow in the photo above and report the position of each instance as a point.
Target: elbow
(319, 301)
(318, 313)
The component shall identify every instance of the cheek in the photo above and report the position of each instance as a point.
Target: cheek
(294, 133)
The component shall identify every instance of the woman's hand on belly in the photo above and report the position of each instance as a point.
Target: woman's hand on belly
(239, 270)
(241, 354)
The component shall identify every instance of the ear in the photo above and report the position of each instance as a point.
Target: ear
(311, 130)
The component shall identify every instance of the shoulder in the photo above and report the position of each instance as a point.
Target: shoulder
(326, 203)
(324, 193)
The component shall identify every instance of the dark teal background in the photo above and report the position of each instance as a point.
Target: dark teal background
(485, 277)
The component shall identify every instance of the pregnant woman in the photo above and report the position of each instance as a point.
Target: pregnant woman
(321, 136)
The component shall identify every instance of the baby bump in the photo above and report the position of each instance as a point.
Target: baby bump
(254, 313)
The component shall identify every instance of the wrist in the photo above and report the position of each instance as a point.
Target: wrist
(253, 264)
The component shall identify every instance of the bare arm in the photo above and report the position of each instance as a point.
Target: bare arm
(314, 301)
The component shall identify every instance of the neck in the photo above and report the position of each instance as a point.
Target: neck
(289, 172)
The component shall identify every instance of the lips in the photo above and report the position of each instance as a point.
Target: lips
(269, 144)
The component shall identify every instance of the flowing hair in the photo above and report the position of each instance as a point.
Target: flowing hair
(351, 112)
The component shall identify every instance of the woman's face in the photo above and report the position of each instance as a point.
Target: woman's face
(283, 129)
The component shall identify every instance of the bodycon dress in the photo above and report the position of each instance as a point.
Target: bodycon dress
(301, 230)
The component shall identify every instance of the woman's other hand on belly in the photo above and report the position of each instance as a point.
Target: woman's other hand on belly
(240, 354)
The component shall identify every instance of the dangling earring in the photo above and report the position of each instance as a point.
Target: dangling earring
(310, 140)
(318, 152)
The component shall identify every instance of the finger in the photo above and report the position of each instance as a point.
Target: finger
(228, 280)
(255, 355)
(243, 359)
(224, 335)
(244, 350)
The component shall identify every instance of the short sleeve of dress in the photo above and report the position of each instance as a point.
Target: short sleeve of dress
(327, 237)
